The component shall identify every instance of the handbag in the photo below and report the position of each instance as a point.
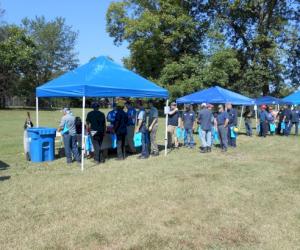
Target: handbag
(232, 133)
(180, 133)
(65, 130)
(272, 127)
(113, 140)
(137, 139)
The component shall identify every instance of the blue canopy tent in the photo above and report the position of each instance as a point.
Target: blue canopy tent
(100, 77)
(270, 100)
(216, 95)
(293, 98)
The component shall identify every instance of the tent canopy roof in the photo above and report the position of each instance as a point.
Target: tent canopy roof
(216, 95)
(269, 100)
(293, 98)
(101, 77)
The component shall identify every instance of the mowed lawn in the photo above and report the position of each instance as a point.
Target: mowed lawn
(248, 198)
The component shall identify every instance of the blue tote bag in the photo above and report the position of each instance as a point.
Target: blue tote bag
(137, 139)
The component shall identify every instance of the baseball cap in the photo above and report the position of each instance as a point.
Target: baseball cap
(173, 104)
(95, 105)
(203, 104)
(66, 110)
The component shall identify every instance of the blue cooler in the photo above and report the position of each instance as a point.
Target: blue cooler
(42, 143)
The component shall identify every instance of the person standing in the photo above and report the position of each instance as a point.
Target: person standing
(153, 126)
(67, 125)
(120, 129)
(287, 117)
(295, 120)
(111, 115)
(221, 122)
(263, 121)
(271, 117)
(232, 116)
(248, 123)
(188, 119)
(131, 114)
(204, 120)
(141, 127)
(173, 122)
(97, 126)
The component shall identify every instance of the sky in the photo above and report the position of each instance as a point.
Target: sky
(85, 16)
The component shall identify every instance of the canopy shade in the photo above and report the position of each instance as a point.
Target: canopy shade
(101, 78)
(293, 98)
(269, 100)
(216, 95)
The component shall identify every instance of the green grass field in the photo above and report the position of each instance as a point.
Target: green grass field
(248, 198)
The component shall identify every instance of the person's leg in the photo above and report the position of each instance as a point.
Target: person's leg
(192, 143)
(145, 144)
(119, 147)
(296, 128)
(75, 148)
(170, 136)
(250, 128)
(154, 147)
(220, 136)
(123, 146)
(225, 139)
(176, 142)
(67, 144)
(129, 138)
(229, 139)
(209, 140)
(186, 137)
(203, 139)
(96, 148)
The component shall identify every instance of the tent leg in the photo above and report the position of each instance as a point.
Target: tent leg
(166, 131)
(37, 111)
(240, 124)
(82, 134)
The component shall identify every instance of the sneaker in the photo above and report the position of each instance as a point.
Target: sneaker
(203, 150)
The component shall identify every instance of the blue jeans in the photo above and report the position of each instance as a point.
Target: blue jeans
(223, 136)
(287, 129)
(248, 126)
(70, 142)
(145, 141)
(188, 137)
(205, 136)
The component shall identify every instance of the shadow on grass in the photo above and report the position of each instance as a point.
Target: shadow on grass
(4, 178)
(3, 165)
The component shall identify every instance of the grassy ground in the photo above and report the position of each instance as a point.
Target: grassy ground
(248, 198)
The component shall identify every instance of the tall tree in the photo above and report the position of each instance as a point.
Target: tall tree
(55, 43)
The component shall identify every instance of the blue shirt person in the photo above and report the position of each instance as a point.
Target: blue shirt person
(120, 128)
(111, 116)
(232, 122)
(188, 119)
(205, 121)
(131, 121)
(221, 121)
(263, 121)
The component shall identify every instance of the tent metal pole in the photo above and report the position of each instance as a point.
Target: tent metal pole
(240, 124)
(166, 131)
(37, 111)
(82, 134)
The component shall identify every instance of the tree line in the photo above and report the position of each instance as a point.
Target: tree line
(250, 46)
(33, 53)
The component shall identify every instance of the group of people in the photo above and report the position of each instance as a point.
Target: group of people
(124, 121)
(273, 121)
(223, 122)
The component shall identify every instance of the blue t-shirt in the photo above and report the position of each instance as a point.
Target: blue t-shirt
(173, 119)
(111, 116)
(188, 118)
(205, 119)
(232, 116)
(263, 116)
(131, 114)
(222, 117)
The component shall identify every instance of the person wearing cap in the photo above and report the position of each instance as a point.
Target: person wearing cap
(97, 126)
(205, 118)
(221, 124)
(131, 115)
(247, 119)
(142, 127)
(188, 120)
(287, 117)
(295, 120)
(263, 121)
(232, 116)
(120, 129)
(173, 123)
(111, 115)
(153, 127)
(67, 124)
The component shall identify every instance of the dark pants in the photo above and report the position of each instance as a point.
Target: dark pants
(223, 136)
(231, 141)
(145, 141)
(263, 130)
(296, 124)
(97, 140)
(154, 147)
(121, 146)
(70, 142)
(287, 129)
(248, 126)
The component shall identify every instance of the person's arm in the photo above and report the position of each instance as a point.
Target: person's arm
(139, 124)
(152, 124)
(173, 111)
(215, 122)
(226, 122)
(61, 124)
